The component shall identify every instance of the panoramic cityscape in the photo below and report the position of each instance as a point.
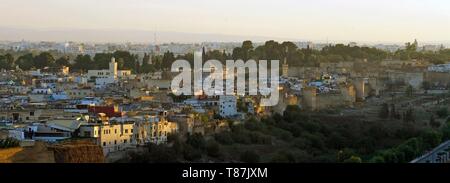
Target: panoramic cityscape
(110, 82)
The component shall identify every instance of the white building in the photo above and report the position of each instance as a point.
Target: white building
(45, 91)
(227, 106)
(108, 76)
(111, 137)
(439, 68)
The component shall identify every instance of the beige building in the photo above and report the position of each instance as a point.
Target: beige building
(32, 115)
(80, 93)
(112, 72)
(111, 137)
(312, 100)
(154, 130)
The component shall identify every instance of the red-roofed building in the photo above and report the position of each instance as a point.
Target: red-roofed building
(109, 111)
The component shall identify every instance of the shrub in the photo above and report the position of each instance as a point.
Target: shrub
(9, 142)
(197, 141)
(224, 138)
(190, 153)
(353, 159)
(442, 113)
(250, 157)
(213, 148)
(283, 157)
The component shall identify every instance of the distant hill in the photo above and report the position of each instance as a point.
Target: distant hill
(106, 35)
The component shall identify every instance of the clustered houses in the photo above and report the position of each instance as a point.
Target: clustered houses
(114, 108)
(111, 136)
(119, 110)
(111, 133)
(53, 106)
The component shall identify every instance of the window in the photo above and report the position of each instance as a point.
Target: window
(104, 143)
(131, 130)
(115, 131)
(32, 113)
(115, 141)
(125, 141)
(126, 130)
(87, 133)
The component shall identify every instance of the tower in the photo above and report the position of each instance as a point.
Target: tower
(360, 88)
(309, 100)
(285, 66)
(113, 68)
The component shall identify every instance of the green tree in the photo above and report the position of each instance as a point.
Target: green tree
(167, 60)
(11, 63)
(250, 156)
(409, 91)
(82, 63)
(345, 154)
(433, 123)
(197, 141)
(126, 60)
(62, 61)
(7, 62)
(409, 116)
(190, 153)
(213, 148)
(353, 159)
(3, 63)
(384, 111)
(442, 112)
(9, 143)
(377, 159)
(102, 60)
(25, 62)
(431, 139)
(146, 67)
(44, 59)
(224, 138)
(283, 157)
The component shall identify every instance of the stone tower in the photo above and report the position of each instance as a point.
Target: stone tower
(113, 67)
(285, 66)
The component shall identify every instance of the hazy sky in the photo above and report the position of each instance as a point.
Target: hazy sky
(357, 20)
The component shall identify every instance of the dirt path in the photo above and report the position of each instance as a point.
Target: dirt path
(35, 154)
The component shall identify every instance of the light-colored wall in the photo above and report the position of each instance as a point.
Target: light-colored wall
(79, 93)
(111, 137)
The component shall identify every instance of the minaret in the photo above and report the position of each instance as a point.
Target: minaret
(113, 68)
(203, 54)
(285, 66)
